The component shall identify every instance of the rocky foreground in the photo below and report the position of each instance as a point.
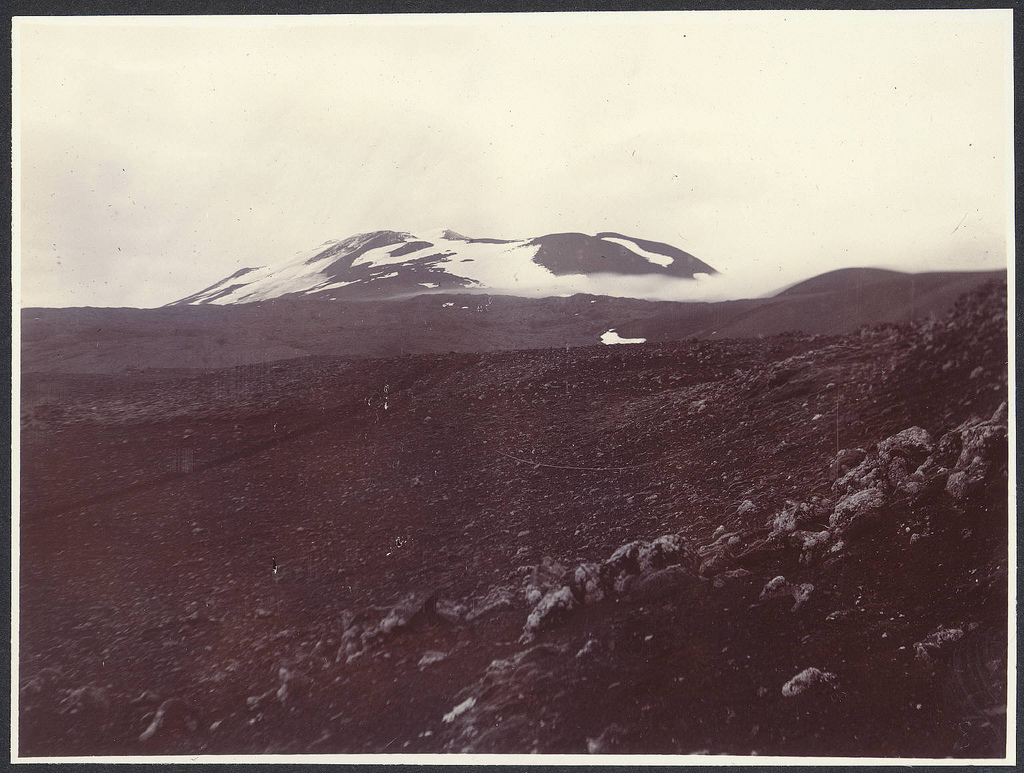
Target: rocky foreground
(783, 546)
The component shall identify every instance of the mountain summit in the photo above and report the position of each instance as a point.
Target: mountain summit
(389, 264)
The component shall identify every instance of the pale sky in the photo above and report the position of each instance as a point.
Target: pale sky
(154, 156)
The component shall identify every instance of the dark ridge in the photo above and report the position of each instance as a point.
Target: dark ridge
(405, 249)
(220, 294)
(578, 253)
(215, 285)
(380, 239)
(841, 279)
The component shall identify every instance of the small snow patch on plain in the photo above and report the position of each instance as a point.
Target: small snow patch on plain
(611, 337)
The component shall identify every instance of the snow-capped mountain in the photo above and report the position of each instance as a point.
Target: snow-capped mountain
(387, 264)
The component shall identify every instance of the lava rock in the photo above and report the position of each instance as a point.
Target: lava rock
(173, 714)
(430, 657)
(496, 598)
(609, 741)
(809, 681)
(846, 460)
(746, 507)
(662, 584)
(811, 544)
(983, 446)
(937, 644)
(553, 607)
(856, 508)
(85, 700)
(790, 518)
(780, 587)
(588, 583)
(903, 453)
(618, 575)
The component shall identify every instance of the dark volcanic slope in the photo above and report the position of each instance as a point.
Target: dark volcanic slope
(115, 340)
(576, 253)
(829, 304)
(422, 553)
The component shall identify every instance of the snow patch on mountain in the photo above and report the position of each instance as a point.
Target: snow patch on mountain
(393, 255)
(334, 286)
(495, 264)
(654, 257)
(297, 274)
(505, 265)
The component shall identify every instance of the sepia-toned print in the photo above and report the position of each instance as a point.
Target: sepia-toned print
(573, 384)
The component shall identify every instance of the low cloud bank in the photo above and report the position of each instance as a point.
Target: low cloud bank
(748, 283)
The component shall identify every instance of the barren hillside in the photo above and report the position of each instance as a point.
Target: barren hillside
(788, 545)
